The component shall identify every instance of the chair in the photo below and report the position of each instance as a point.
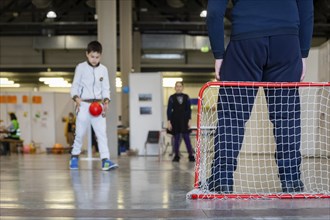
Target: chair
(152, 138)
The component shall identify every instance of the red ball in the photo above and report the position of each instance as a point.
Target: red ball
(95, 109)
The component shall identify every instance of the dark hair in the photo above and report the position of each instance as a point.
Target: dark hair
(179, 82)
(12, 116)
(94, 46)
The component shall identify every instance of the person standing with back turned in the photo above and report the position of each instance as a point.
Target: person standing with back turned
(270, 41)
(91, 84)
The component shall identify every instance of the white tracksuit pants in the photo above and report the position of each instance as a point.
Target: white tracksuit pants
(83, 121)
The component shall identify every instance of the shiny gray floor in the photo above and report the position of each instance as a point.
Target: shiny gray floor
(42, 187)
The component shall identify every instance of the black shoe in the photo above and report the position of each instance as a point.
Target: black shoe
(192, 159)
(293, 186)
(176, 159)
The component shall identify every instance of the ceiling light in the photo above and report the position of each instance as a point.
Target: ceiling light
(55, 81)
(50, 79)
(163, 56)
(170, 82)
(203, 14)
(4, 82)
(60, 84)
(51, 14)
(15, 85)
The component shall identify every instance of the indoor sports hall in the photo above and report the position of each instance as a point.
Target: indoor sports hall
(259, 149)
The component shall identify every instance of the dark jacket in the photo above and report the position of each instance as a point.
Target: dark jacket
(261, 18)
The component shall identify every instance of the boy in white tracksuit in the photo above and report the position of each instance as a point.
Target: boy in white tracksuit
(91, 84)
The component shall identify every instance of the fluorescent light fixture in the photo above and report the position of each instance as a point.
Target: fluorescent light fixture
(51, 14)
(55, 81)
(50, 80)
(63, 85)
(203, 14)
(163, 56)
(170, 82)
(5, 82)
(45, 79)
(15, 85)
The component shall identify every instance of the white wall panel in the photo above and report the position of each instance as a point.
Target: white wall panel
(324, 62)
(43, 120)
(141, 84)
(63, 105)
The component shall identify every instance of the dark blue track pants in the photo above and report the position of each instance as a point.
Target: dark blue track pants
(177, 141)
(267, 59)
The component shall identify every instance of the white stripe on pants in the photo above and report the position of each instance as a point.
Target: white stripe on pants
(83, 121)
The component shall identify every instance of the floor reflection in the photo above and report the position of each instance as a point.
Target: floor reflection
(43, 187)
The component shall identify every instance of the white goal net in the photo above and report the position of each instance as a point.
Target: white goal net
(263, 140)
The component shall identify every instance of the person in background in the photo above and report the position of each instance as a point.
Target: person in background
(70, 128)
(13, 132)
(179, 119)
(91, 84)
(270, 41)
(95, 147)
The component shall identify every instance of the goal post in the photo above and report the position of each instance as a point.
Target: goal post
(262, 140)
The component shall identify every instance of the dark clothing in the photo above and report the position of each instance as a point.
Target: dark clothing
(234, 110)
(268, 41)
(267, 59)
(177, 141)
(257, 60)
(179, 112)
(261, 18)
(6, 145)
(71, 126)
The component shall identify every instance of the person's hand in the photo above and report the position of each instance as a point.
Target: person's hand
(77, 102)
(303, 72)
(105, 105)
(217, 66)
(189, 124)
(169, 126)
